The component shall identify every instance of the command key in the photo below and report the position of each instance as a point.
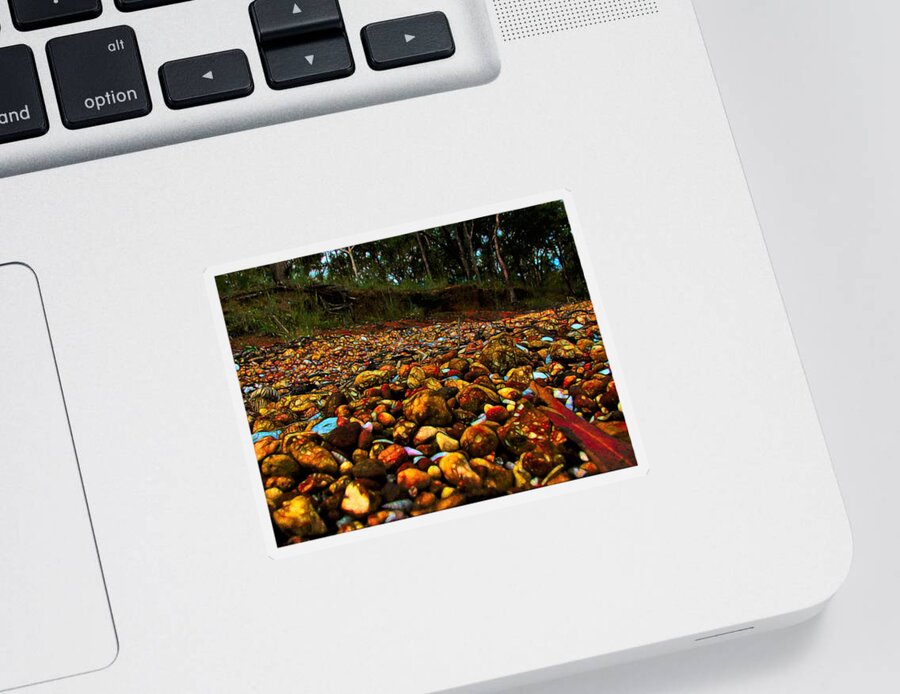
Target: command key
(22, 111)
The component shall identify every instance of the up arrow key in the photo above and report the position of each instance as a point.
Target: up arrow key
(408, 37)
(287, 21)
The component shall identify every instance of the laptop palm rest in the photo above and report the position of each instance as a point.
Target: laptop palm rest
(55, 618)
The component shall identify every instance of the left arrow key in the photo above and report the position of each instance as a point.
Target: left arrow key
(206, 79)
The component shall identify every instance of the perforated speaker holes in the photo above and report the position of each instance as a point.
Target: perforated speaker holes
(522, 19)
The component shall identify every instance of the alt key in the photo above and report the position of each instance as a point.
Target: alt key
(99, 77)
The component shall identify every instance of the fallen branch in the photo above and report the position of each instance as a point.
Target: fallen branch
(606, 452)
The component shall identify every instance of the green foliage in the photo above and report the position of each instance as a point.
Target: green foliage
(525, 256)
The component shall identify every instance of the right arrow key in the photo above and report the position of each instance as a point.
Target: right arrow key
(408, 41)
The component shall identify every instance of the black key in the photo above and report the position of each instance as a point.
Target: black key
(131, 5)
(99, 77)
(297, 64)
(283, 19)
(206, 79)
(407, 41)
(22, 111)
(37, 14)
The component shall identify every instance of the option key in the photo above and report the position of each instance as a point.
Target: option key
(99, 77)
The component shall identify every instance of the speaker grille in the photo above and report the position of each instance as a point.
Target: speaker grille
(522, 19)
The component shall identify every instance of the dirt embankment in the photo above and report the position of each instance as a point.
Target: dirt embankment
(251, 316)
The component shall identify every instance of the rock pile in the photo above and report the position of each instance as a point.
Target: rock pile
(359, 428)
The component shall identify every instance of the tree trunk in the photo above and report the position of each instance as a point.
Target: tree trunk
(470, 232)
(537, 271)
(382, 270)
(500, 262)
(424, 255)
(565, 269)
(280, 272)
(462, 252)
(349, 251)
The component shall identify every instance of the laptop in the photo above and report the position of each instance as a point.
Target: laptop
(399, 346)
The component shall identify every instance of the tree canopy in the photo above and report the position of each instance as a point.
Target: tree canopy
(530, 247)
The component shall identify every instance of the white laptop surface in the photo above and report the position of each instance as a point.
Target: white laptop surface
(469, 365)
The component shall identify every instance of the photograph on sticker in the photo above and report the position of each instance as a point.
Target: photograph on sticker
(430, 370)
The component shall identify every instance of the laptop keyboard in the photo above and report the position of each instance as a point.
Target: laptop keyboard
(105, 75)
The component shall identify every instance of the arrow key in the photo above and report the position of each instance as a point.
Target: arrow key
(274, 20)
(297, 64)
(408, 40)
(206, 79)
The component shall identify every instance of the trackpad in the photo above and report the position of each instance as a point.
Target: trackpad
(55, 619)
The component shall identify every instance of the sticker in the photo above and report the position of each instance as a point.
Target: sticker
(402, 375)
